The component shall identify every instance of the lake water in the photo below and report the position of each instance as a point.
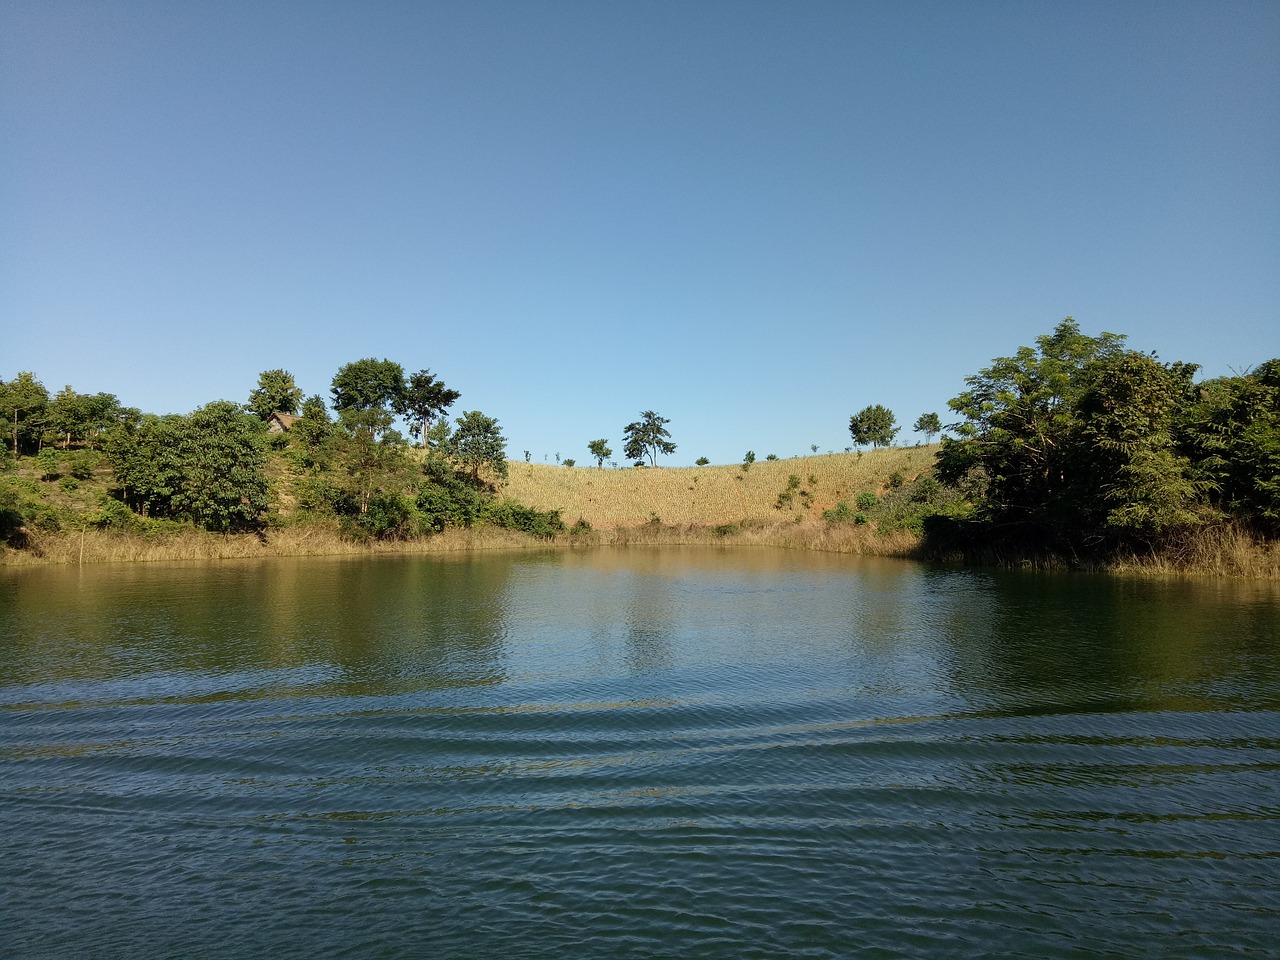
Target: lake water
(635, 753)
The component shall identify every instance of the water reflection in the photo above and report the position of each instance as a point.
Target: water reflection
(643, 752)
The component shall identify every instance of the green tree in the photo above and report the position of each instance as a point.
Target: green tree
(873, 425)
(599, 449)
(22, 406)
(79, 418)
(423, 400)
(1131, 478)
(147, 463)
(368, 384)
(222, 458)
(477, 444)
(647, 437)
(276, 392)
(312, 429)
(747, 460)
(1231, 431)
(929, 425)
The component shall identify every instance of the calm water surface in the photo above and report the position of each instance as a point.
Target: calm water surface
(635, 753)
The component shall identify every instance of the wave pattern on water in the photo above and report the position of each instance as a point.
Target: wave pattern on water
(898, 798)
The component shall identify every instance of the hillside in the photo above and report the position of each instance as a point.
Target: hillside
(708, 496)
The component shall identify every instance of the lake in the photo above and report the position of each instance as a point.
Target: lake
(666, 752)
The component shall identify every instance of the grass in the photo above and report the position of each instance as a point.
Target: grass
(712, 496)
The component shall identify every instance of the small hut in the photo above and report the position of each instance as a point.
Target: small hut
(281, 422)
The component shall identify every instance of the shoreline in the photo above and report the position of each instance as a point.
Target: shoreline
(1232, 556)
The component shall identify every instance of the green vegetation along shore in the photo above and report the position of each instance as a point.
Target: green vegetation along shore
(1077, 452)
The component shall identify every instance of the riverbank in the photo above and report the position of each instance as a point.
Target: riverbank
(1222, 552)
(770, 503)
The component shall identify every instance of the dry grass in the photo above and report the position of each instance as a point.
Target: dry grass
(106, 546)
(710, 496)
(1224, 550)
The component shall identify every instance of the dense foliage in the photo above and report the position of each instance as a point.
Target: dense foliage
(1080, 446)
(214, 468)
(874, 425)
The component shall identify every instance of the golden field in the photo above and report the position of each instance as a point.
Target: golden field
(710, 496)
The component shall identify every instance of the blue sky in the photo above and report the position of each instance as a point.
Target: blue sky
(753, 218)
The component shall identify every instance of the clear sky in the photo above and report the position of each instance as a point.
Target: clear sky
(755, 218)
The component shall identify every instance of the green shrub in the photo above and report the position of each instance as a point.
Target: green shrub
(49, 463)
(842, 512)
(81, 464)
(701, 462)
(515, 516)
(867, 500)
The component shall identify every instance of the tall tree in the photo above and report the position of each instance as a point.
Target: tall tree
(22, 406)
(424, 399)
(1020, 418)
(276, 391)
(929, 425)
(600, 450)
(368, 384)
(222, 456)
(647, 437)
(477, 444)
(874, 425)
(1231, 429)
(147, 462)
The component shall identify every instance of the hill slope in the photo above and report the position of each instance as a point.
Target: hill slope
(707, 496)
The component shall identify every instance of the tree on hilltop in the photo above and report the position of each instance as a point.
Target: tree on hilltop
(874, 425)
(929, 425)
(600, 450)
(648, 437)
(276, 391)
(423, 400)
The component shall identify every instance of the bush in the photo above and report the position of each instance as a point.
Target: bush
(842, 512)
(114, 515)
(49, 462)
(515, 516)
(81, 464)
(701, 462)
(867, 500)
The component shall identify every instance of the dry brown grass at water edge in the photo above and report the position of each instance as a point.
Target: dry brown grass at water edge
(109, 546)
(714, 495)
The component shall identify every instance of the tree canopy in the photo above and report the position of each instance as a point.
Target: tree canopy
(276, 391)
(368, 384)
(600, 450)
(423, 400)
(477, 444)
(647, 437)
(873, 425)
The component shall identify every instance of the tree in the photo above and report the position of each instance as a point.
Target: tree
(276, 391)
(478, 443)
(1231, 429)
(600, 450)
(1131, 478)
(221, 453)
(747, 460)
(648, 436)
(368, 384)
(1020, 418)
(873, 425)
(22, 405)
(424, 399)
(147, 463)
(929, 425)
